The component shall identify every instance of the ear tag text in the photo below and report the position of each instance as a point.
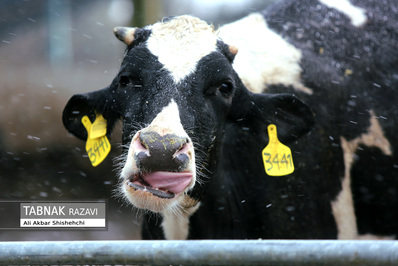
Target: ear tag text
(278, 160)
(97, 144)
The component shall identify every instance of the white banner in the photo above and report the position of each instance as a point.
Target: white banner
(62, 223)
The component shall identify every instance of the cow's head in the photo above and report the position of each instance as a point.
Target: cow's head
(175, 91)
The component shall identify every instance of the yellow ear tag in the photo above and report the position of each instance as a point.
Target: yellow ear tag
(98, 128)
(278, 160)
(97, 145)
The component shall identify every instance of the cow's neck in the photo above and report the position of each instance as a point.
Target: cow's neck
(176, 222)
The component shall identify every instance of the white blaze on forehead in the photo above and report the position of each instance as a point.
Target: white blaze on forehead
(168, 121)
(264, 57)
(356, 14)
(180, 43)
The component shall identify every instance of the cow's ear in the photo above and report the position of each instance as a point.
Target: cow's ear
(292, 117)
(90, 104)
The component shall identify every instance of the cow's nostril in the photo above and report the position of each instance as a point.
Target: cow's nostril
(140, 146)
(183, 149)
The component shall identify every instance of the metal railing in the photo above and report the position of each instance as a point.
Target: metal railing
(201, 252)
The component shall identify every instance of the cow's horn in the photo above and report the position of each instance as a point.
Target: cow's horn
(233, 49)
(125, 34)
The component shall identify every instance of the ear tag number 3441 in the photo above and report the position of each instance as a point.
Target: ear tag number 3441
(97, 144)
(278, 160)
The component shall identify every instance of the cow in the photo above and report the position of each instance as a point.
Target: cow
(340, 57)
(196, 111)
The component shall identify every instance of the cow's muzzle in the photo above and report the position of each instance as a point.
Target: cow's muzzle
(160, 166)
(161, 161)
(159, 170)
(161, 153)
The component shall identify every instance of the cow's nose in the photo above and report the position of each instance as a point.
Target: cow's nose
(161, 153)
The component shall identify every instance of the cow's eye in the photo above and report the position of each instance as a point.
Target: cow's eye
(124, 81)
(225, 89)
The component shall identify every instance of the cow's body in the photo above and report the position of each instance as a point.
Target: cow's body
(352, 71)
(348, 54)
(181, 92)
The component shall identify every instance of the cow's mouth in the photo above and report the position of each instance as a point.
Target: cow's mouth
(165, 185)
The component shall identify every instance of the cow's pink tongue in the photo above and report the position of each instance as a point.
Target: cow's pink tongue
(171, 181)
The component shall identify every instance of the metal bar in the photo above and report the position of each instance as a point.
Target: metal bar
(210, 252)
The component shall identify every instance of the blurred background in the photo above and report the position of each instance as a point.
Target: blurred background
(50, 50)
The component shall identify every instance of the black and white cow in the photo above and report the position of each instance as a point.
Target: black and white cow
(341, 58)
(194, 133)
